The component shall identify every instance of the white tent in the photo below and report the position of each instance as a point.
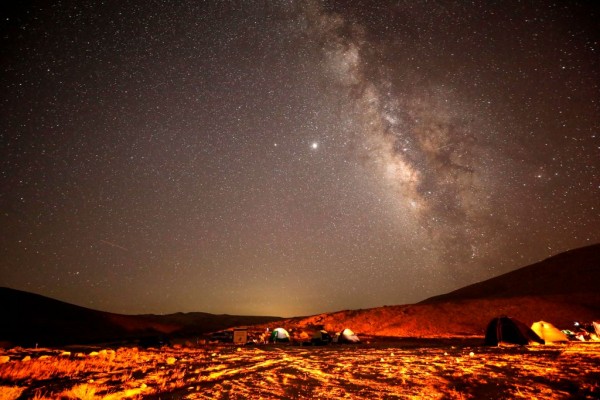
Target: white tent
(347, 336)
(280, 335)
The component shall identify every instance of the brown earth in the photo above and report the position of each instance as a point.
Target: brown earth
(443, 369)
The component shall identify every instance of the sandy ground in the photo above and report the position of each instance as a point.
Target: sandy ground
(404, 369)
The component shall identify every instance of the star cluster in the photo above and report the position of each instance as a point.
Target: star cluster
(290, 158)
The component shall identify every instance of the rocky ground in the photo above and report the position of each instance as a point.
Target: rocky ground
(401, 369)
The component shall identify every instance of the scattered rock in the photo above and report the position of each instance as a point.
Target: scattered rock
(171, 360)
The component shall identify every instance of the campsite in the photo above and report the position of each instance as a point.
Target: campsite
(513, 361)
(500, 338)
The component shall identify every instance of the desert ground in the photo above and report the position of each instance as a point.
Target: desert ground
(449, 369)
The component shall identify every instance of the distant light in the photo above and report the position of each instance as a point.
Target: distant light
(314, 145)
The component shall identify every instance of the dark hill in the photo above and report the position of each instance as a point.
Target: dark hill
(29, 319)
(573, 272)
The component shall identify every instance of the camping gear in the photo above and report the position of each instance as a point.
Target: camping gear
(548, 332)
(347, 336)
(503, 330)
(279, 335)
(321, 338)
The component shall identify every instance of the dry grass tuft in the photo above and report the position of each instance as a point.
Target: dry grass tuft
(10, 392)
(83, 391)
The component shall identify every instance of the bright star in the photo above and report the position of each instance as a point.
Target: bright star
(314, 145)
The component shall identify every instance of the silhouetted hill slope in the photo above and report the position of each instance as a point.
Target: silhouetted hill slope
(27, 319)
(574, 271)
(560, 290)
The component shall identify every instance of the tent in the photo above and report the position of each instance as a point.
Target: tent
(347, 336)
(509, 330)
(548, 332)
(596, 326)
(320, 338)
(279, 335)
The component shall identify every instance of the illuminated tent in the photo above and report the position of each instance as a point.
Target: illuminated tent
(279, 335)
(347, 336)
(321, 337)
(548, 332)
(596, 326)
(509, 330)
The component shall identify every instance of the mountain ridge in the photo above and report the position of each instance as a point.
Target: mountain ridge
(581, 276)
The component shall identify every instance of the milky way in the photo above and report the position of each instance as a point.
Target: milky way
(291, 158)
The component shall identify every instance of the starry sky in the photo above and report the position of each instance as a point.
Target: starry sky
(292, 157)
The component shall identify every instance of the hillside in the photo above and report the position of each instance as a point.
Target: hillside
(572, 272)
(29, 319)
(559, 290)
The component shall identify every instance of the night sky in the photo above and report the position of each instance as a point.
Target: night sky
(291, 158)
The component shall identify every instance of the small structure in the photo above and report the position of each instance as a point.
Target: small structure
(240, 336)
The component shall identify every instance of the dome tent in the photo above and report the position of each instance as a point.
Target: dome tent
(509, 330)
(548, 332)
(279, 335)
(347, 336)
(320, 338)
